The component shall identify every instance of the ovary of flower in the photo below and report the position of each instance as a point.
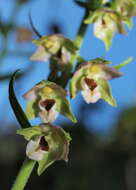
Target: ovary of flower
(40, 55)
(90, 92)
(36, 149)
(48, 111)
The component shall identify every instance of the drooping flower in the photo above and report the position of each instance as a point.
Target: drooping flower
(106, 23)
(126, 8)
(46, 144)
(47, 100)
(92, 80)
(54, 46)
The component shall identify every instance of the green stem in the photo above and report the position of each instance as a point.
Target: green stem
(81, 32)
(23, 175)
(66, 75)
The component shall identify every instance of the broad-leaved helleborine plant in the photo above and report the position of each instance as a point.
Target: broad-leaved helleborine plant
(49, 98)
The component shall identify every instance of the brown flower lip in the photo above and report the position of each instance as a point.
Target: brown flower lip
(90, 83)
(47, 104)
(43, 144)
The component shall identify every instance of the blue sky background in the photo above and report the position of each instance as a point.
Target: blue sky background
(68, 15)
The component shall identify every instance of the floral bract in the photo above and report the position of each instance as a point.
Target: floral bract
(46, 144)
(46, 100)
(54, 46)
(92, 80)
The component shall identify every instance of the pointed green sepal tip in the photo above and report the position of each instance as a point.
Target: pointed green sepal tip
(106, 92)
(124, 63)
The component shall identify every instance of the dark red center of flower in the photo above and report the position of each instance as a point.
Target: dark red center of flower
(43, 144)
(59, 53)
(104, 23)
(90, 83)
(47, 104)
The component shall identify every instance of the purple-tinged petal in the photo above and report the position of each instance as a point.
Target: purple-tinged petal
(110, 73)
(32, 93)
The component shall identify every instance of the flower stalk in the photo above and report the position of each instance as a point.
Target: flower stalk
(66, 74)
(23, 174)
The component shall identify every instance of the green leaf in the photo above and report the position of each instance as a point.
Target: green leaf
(106, 92)
(124, 63)
(33, 27)
(19, 113)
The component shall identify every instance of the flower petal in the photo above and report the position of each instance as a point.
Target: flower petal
(33, 152)
(32, 93)
(48, 111)
(109, 73)
(40, 55)
(48, 117)
(65, 55)
(91, 96)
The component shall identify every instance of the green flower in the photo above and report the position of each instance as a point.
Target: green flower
(106, 23)
(46, 144)
(126, 8)
(92, 80)
(46, 100)
(54, 46)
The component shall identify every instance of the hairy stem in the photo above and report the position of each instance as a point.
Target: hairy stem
(23, 175)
